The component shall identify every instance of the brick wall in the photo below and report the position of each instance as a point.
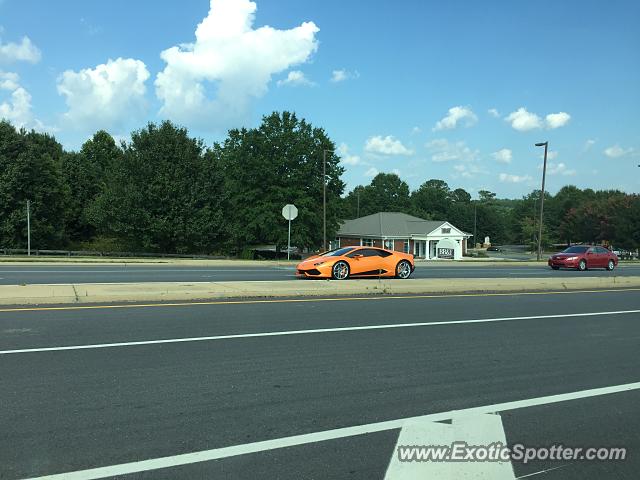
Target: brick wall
(349, 242)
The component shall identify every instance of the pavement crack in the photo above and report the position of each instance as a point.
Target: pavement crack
(75, 292)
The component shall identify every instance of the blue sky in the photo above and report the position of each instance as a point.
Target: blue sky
(456, 90)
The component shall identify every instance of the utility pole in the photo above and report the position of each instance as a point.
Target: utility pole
(475, 205)
(324, 199)
(544, 174)
(28, 228)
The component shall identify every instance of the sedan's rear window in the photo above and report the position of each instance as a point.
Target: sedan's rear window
(576, 250)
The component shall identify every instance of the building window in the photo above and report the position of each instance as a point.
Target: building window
(406, 246)
(367, 242)
(446, 230)
(388, 244)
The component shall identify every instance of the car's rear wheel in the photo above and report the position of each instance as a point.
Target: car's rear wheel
(403, 269)
(611, 265)
(582, 266)
(555, 268)
(340, 270)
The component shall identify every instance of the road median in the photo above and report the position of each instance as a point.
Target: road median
(189, 291)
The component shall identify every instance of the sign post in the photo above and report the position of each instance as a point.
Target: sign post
(289, 212)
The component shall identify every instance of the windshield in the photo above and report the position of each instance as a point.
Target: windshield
(576, 250)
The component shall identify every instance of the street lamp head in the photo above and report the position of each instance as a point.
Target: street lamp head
(541, 144)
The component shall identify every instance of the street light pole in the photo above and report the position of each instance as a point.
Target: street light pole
(324, 198)
(28, 228)
(544, 174)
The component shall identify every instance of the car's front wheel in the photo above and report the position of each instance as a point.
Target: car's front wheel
(611, 265)
(582, 266)
(340, 270)
(403, 269)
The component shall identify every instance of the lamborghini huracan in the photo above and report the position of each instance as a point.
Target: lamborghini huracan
(347, 262)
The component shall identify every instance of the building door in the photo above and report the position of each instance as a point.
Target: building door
(419, 248)
(432, 248)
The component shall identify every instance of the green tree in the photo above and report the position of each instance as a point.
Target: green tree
(163, 194)
(30, 170)
(280, 162)
(84, 173)
(386, 193)
(431, 200)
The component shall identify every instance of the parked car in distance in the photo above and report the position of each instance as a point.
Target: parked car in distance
(494, 248)
(346, 262)
(582, 257)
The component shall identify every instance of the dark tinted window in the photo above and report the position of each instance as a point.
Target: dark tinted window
(339, 252)
(601, 250)
(576, 250)
(365, 252)
(383, 253)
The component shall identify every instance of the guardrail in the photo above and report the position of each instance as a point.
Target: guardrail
(93, 253)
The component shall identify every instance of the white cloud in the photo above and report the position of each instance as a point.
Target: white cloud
(507, 178)
(616, 151)
(231, 55)
(395, 171)
(588, 144)
(467, 170)
(25, 51)
(343, 75)
(559, 169)
(345, 157)
(296, 78)
(386, 146)
(105, 96)
(455, 115)
(522, 120)
(503, 156)
(557, 120)
(15, 108)
(551, 155)
(416, 130)
(372, 172)
(494, 113)
(444, 151)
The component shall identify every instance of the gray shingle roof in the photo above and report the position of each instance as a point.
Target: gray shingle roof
(388, 224)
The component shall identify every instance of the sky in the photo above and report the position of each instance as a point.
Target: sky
(456, 90)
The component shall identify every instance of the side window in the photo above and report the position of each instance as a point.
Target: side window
(592, 250)
(370, 252)
(601, 250)
(383, 253)
(357, 251)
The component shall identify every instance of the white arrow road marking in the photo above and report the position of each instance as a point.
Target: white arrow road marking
(481, 430)
(307, 438)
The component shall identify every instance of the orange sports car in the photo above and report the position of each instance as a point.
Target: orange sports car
(346, 262)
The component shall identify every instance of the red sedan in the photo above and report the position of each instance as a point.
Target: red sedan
(582, 257)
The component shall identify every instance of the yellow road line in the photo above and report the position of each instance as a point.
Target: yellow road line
(309, 300)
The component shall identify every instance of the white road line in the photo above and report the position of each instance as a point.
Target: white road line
(311, 331)
(255, 447)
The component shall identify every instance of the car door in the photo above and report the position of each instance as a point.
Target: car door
(592, 258)
(603, 256)
(364, 261)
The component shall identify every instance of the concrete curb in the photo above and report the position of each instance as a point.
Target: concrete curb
(157, 292)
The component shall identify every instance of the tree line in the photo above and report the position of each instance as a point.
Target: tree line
(163, 191)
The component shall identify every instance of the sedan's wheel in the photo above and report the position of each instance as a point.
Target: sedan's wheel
(611, 265)
(340, 270)
(582, 266)
(403, 270)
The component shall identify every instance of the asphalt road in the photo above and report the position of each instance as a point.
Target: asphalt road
(97, 404)
(41, 274)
